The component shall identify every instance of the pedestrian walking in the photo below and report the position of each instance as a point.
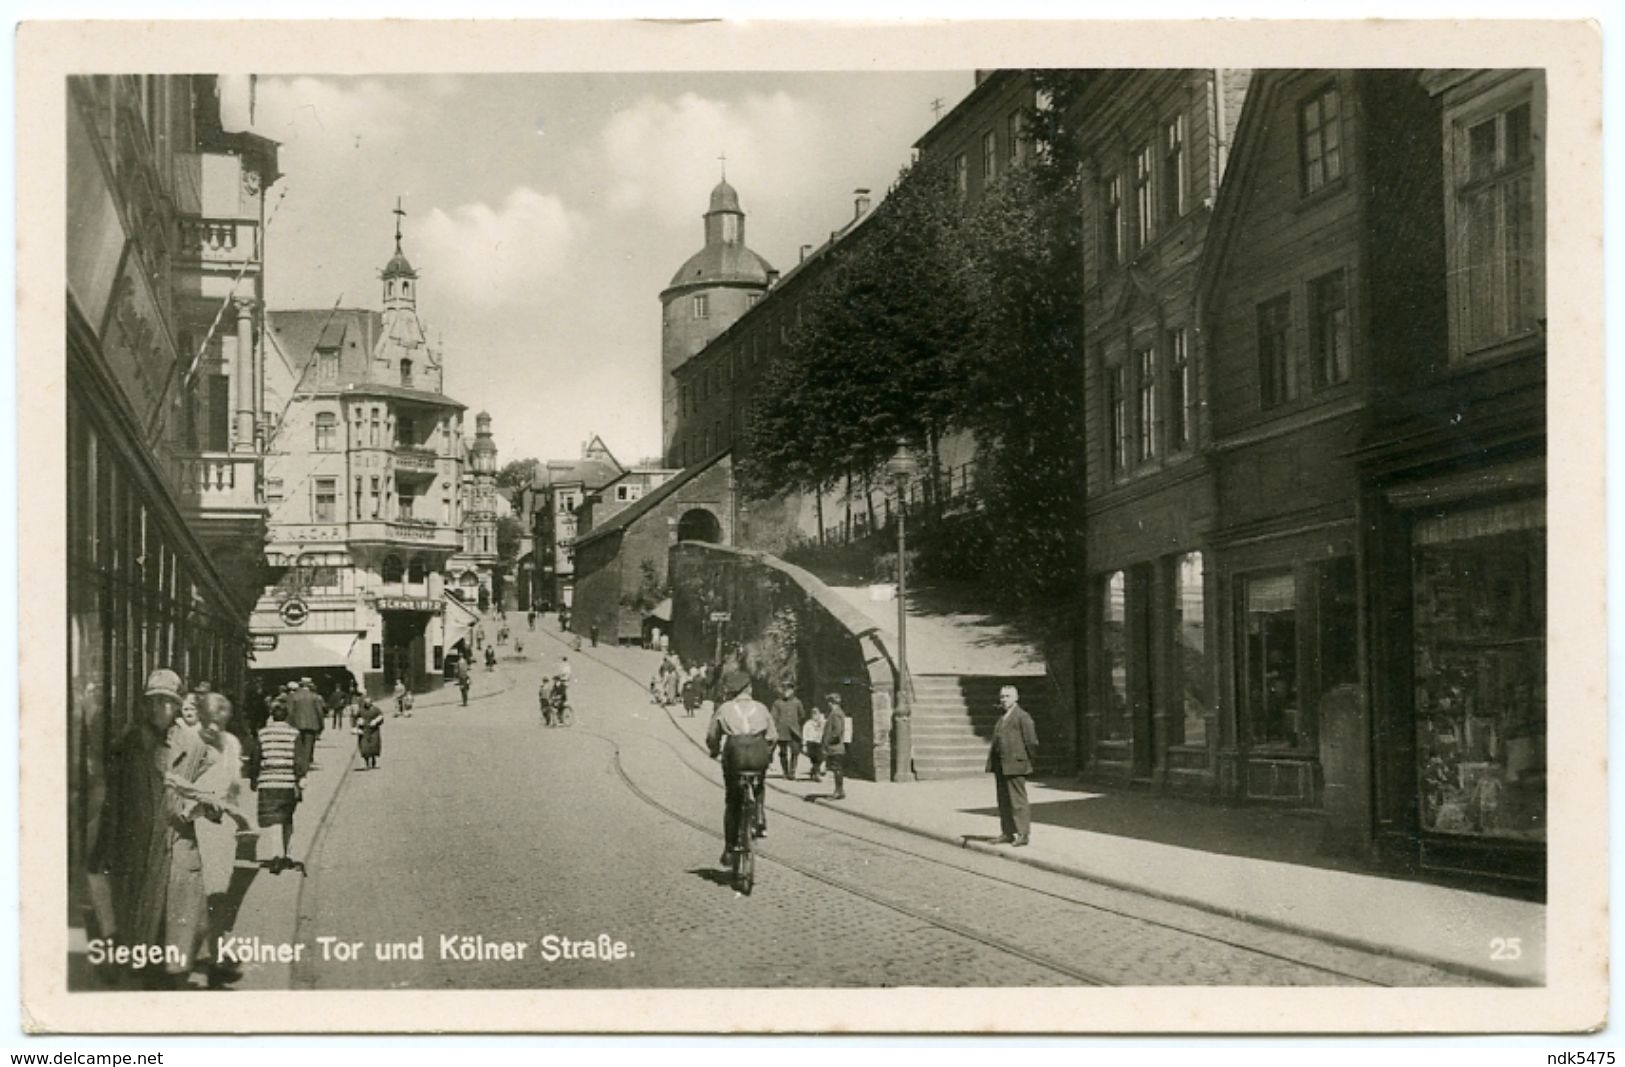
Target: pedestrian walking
(222, 817)
(1010, 758)
(145, 896)
(463, 680)
(835, 745)
(530, 619)
(369, 733)
(337, 701)
(403, 701)
(308, 715)
(787, 716)
(544, 700)
(693, 689)
(593, 630)
(812, 737)
(277, 773)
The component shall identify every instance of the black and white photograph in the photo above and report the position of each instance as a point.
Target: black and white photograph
(946, 532)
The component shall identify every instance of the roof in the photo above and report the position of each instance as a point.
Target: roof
(723, 198)
(985, 87)
(302, 331)
(722, 263)
(396, 392)
(592, 473)
(650, 500)
(398, 266)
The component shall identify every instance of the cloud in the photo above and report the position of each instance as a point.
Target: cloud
(660, 155)
(487, 256)
(306, 112)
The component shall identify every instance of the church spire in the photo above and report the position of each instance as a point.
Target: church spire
(398, 275)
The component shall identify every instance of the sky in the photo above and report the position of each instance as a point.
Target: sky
(545, 213)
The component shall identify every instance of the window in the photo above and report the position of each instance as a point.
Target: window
(415, 571)
(1145, 366)
(1180, 393)
(376, 438)
(404, 432)
(1270, 661)
(702, 306)
(730, 229)
(326, 431)
(1118, 416)
(753, 299)
(1175, 179)
(962, 174)
(1479, 595)
(1016, 131)
(327, 366)
(326, 498)
(1277, 378)
(273, 491)
(1114, 717)
(990, 157)
(406, 504)
(1145, 204)
(1329, 326)
(406, 373)
(1320, 140)
(392, 569)
(1187, 722)
(1496, 263)
(377, 497)
(1112, 219)
(623, 492)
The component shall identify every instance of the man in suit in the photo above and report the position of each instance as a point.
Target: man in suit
(1015, 748)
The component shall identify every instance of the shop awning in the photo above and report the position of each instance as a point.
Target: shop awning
(661, 611)
(304, 650)
(460, 620)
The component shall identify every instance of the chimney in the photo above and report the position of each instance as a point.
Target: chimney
(804, 250)
(860, 203)
(772, 278)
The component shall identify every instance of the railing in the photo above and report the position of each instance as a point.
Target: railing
(220, 481)
(420, 531)
(217, 240)
(415, 460)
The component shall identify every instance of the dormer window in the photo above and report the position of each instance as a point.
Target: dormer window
(406, 373)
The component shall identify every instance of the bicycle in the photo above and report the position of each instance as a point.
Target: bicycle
(744, 849)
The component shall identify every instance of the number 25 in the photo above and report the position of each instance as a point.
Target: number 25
(1506, 948)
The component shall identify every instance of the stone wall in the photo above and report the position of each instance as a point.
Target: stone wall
(787, 626)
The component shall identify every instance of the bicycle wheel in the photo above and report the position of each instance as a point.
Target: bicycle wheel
(744, 848)
(567, 715)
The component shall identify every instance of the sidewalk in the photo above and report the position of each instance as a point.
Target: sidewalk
(1255, 864)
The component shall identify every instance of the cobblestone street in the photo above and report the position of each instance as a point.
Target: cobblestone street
(481, 823)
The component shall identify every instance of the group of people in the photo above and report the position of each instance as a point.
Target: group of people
(690, 685)
(553, 696)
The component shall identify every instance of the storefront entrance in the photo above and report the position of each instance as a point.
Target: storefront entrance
(405, 652)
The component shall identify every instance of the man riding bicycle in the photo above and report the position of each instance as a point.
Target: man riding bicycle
(741, 732)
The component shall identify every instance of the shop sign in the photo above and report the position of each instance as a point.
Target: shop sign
(722, 616)
(410, 603)
(264, 642)
(294, 611)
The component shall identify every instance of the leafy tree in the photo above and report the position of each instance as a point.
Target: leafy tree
(510, 532)
(518, 473)
(867, 365)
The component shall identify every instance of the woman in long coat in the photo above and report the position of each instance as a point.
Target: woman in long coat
(369, 729)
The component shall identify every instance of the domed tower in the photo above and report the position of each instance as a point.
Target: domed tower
(717, 285)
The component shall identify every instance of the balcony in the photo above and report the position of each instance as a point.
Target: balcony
(217, 482)
(415, 462)
(225, 241)
(421, 533)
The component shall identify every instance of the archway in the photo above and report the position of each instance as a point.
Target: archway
(699, 525)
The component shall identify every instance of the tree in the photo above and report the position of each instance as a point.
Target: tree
(518, 473)
(867, 365)
(510, 532)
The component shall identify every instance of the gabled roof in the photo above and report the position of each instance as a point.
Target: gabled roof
(301, 332)
(650, 500)
(1252, 130)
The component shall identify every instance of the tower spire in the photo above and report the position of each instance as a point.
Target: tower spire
(399, 215)
(723, 159)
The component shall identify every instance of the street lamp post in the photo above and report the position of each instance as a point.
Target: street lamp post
(902, 468)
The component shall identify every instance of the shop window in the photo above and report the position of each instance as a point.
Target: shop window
(392, 569)
(1329, 325)
(1320, 140)
(1187, 720)
(1114, 713)
(1479, 586)
(1273, 712)
(1277, 376)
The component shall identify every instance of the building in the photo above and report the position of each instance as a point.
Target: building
(1154, 156)
(364, 475)
(165, 244)
(621, 562)
(474, 574)
(558, 489)
(1452, 471)
(709, 292)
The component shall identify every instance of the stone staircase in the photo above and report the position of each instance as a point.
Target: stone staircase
(954, 716)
